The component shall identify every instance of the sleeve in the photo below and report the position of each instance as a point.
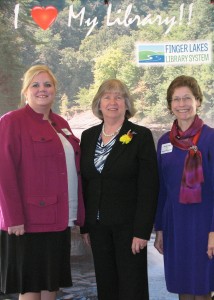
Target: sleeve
(10, 157)
(162, 192)
(211, 165)
(148, 186)
(84, 228)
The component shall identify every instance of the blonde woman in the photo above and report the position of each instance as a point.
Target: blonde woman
(40, 192)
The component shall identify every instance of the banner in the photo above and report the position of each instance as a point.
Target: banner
(146, 44)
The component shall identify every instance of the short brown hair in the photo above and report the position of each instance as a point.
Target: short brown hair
(117, 86)
(187, 81)
(29, 75)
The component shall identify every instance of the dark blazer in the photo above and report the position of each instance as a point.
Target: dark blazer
(126, 191)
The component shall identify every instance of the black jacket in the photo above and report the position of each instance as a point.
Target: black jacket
(126, 191)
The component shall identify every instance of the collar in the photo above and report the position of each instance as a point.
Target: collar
(35, 115)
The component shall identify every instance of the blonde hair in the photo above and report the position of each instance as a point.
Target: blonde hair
(115, 85)
(30, 74)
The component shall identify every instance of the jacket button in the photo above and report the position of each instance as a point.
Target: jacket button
(42, 139)
(42, 203)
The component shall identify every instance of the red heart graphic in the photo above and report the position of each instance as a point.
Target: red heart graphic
(44, 16)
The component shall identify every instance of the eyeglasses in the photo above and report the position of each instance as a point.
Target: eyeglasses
(185, 99)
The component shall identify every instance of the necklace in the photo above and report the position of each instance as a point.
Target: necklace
(111, 134)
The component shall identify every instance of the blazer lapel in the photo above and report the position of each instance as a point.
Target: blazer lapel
(92, 143)
(118, 147)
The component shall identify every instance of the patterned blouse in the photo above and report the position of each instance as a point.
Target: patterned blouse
(101, 152)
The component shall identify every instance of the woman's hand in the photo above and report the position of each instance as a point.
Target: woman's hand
(159, 241)
(86, 239)
(17, 230)
(210, 247)
(138, 245)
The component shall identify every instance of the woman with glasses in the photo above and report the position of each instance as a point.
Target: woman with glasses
(185, 215)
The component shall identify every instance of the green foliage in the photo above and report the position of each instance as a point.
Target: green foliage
(84, 98)
(82, 62)
(10, 64)
(108, 65)
(63, 108)
(58, 4)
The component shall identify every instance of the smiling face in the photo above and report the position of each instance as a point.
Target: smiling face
(184, 106)
(41, 92)
(113, 106)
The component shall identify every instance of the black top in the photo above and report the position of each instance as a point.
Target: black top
(127, 188)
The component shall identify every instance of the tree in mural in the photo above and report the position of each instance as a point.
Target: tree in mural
(64, 106)
(10, 64)
(81, 62)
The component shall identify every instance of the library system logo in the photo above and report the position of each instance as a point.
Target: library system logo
(174, 53)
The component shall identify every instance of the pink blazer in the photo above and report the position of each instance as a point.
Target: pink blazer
(33, 176)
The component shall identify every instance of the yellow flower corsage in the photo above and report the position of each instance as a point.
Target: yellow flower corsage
(126, 138)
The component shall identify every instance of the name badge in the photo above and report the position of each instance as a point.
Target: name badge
(166, 148)
(66, 131)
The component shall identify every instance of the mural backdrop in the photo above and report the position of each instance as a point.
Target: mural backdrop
(144, 43)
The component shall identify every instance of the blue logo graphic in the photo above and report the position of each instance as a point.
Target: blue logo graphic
(148, 54)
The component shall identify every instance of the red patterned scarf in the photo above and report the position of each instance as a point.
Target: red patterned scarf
(190, 190)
